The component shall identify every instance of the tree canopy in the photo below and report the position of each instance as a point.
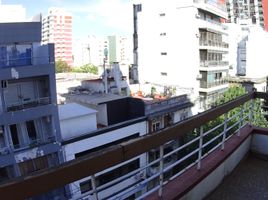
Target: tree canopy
(62, 66)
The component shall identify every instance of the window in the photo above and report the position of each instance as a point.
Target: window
(163, 73)
(163, 34)
(14, 135)
(163, 53)
(31, 130)
(156, 126)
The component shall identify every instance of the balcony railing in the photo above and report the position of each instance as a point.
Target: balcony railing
(197, 146)
(28, 104)
(206, 84)
(212, 43)
(25, 61)
(206, 63)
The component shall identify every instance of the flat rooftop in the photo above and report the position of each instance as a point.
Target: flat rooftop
(94, 99)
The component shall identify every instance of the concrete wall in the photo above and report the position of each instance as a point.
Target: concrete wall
(75, 127)
(208, 184)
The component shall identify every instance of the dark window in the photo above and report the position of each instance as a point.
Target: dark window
(162, 14)
(31, 130)
(163, 73)
(14, 135)
(163, 53)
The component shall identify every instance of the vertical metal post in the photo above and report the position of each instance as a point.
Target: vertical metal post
(240, 119)
(224, 131)
(251, 107)
(161, 169)
(200, 148)
(94, 187)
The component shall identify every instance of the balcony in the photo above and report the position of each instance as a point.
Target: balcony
(211, 43)
(23, 55)
(207, 63)
(205, 156)
(206, 84)
(28, 104)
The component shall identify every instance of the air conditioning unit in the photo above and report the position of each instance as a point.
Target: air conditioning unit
(197, 35)
(140, 176)
(197, 16)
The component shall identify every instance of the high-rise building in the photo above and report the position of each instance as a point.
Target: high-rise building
(57, 29)
(183, 43)
(89, 50)
(29, 124)
(119, 49)
(248, 12)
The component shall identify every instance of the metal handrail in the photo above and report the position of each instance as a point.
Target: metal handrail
(97, 162)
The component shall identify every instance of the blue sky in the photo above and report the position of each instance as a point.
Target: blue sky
(90, 17)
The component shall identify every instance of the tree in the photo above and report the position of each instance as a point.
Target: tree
(87, 68)
(62, 66)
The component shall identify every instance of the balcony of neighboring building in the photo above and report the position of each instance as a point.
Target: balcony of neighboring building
(18, 55)
(213, 80)
(211, 144)
(212, 41)
(22, 94)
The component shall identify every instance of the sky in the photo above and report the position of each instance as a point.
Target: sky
(90, 17)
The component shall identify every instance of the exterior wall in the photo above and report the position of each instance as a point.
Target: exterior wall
(259, 144)
(29, 126)
(208, 184)
(98, 140)
(265, 13)
(74, 127)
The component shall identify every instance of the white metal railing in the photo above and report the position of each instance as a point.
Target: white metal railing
(16, 62)
(187, 155)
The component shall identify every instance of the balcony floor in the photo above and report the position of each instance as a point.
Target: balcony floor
(248, 181)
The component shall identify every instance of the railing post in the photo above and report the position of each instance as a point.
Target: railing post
(200, 148)
(161, 169)
(224, 131)
(94, 187)
(240, 119)
(251, 107)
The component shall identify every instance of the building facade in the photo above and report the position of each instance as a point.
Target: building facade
(172, 52)
(57, 29)
(29, 125)
(249, 11)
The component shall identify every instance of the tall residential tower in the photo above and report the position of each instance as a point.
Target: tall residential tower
(57, 29)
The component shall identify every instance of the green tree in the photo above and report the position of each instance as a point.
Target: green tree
(87, 68)
(62, 66)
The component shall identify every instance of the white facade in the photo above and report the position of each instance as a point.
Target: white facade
(248, 47)
(76, 120)
(12, 13)
(70, 151)
(89, 50)
(183, 44)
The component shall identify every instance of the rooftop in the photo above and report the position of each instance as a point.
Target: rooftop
(72, 110)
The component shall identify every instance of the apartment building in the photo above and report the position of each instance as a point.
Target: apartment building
(89, 51)
(248, 11)
(57, 29)
(29, 125)
(184, 43)
(119, 50)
